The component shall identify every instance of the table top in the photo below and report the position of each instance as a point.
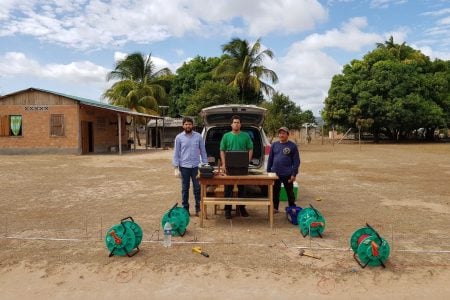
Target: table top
(243, 179)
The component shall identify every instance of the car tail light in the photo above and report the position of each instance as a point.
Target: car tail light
(267, 150)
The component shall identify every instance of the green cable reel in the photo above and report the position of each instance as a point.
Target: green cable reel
(310, 221)
(370, 247)
(122, 238)
(178, 217)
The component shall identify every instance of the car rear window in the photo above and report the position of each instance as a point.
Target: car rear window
(222, 119)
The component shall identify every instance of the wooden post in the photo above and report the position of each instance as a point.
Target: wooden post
(119, 123)
(359, 136)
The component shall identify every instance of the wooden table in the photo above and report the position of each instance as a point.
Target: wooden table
(239, 180)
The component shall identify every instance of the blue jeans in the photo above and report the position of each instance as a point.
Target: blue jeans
(188, 174)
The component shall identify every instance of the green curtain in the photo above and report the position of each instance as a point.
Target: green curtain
(16, 124)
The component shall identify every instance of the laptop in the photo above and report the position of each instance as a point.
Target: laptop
(236, 162)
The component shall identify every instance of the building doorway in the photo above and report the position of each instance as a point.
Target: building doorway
(87, 137)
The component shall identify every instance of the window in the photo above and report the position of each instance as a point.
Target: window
(57, 125)
(11, 125)
(101, 123)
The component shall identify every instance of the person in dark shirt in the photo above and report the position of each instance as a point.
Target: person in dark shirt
(284, 160)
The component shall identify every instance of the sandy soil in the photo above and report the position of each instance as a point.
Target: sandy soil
(55, 210)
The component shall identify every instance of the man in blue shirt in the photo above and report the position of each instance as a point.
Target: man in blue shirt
(284, 160)
(189, 148)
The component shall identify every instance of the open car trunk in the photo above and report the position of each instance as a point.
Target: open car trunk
(214, 136)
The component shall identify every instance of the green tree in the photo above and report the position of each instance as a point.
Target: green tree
(394, 87)
(308, 117)
(139, 87)
(209, 94)
(281, 111)
(189, 78)
(242, 67)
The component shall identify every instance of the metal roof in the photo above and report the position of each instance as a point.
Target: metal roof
(88, 102)
(169, 122)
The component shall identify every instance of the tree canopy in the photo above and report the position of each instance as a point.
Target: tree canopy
(189, 78)
(209, 94)
(281, 111)
(393, 90)
(242, 67)
(139, 87)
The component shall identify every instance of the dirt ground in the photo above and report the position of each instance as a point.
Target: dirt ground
(55, 210)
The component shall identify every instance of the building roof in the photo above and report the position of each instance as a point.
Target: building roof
(88, 102)
(169, 122)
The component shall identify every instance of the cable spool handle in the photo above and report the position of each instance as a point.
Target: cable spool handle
(129, 217)
(122, 222)
(376, 233)
(170, 210)
(315, 210)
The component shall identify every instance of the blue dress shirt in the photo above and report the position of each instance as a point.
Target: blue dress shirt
(188, 150)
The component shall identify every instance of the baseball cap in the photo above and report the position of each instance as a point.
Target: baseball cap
(285, 129)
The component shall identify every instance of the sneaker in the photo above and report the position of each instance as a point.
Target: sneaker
(275, 211)
(243, 211)
(228, 214)
(197, 213)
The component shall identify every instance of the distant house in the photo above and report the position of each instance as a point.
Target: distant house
(166, 132)
(40, 121)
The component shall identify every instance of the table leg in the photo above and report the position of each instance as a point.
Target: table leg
(270, 191)
(202, 204)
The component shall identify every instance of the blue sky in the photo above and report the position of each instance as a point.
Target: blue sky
(69, 46)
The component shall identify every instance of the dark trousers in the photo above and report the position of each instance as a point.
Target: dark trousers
(289, 187)
(228, 193)
(188, 175)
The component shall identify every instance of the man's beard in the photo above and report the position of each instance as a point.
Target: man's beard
(188, 130)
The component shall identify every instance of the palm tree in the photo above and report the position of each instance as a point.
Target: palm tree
(137, 79)
(140, 88)
(402, 51)
(398, 50)
(242, 67)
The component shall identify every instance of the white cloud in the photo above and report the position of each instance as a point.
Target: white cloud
(18, 64)
(305, 76)
(93, 24)
(349, 37)
(433, 54)
(15, 63)
(439, 12)
(179, 52)
(119, 56)
(305, 72)
(386, 3)
(444, 21)
(159, 62)
(284, 16)
(76, 72)
(5, 8)
(400, 35)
